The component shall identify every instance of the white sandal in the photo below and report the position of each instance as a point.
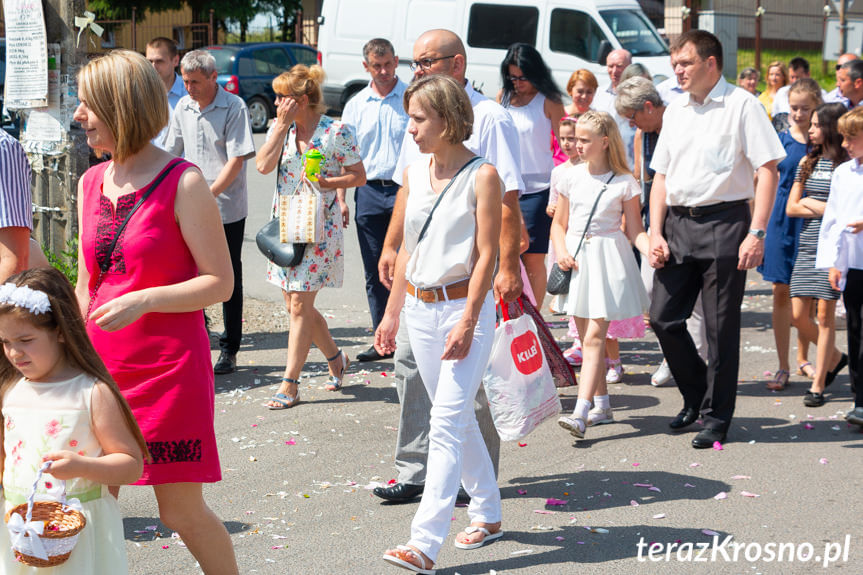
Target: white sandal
(571, 424)
(488, 537)
(398, 562)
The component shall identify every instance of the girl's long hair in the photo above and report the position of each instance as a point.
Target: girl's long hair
(602, 124)
(533, 67)
(65, 317)
(828, 121)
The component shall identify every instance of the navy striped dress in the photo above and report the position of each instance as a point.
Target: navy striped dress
(806, 281)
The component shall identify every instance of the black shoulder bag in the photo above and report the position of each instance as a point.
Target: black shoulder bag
(105, 264)
(440, 197)
(268, 239)
(558, 280)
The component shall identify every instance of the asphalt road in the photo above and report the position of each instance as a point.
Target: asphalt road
(296, 489)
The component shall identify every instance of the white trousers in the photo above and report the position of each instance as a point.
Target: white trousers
(454, 437)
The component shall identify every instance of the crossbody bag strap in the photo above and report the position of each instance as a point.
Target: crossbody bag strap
(592, 211)
(106, 263)
(441, 195)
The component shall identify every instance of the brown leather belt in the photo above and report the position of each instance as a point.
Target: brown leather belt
(457, 290)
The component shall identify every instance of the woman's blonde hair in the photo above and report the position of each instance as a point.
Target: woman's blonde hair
(302, 80)
(443, 95)
(782, 69)
(582, 75)
(124, 91)
(603, 125)
(64, 317)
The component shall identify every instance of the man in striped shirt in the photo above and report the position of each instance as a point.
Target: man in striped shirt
(16, 208)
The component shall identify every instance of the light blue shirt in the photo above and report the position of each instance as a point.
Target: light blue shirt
(177, 91)
(379, 125)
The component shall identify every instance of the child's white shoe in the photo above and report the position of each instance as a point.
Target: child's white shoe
(575, 425)
(573, 355)
(615, 372)
(662, 375)
(598, 416)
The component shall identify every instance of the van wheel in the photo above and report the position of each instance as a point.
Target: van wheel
(259, 114)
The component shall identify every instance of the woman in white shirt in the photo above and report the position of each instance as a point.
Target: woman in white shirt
(443, 281)
(535, 104)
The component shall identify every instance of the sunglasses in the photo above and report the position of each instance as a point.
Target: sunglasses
(515, 79)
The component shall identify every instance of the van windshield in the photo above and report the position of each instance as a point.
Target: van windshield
(635, 32)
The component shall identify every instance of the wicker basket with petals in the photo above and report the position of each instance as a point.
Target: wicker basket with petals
(61, 522)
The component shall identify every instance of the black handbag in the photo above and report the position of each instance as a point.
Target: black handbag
(268, 240)
(286, 255)
(558, 279)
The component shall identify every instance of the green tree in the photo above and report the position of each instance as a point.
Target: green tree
(286, 12)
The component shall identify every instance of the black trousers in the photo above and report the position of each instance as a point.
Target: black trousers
(704, 255)
(853, 296)
(232, 310)
(374, 210)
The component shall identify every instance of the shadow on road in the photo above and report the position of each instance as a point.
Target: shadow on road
(150, 528)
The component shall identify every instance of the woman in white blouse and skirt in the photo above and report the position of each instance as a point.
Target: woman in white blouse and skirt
(443, 280)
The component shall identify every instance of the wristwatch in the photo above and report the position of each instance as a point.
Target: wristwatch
(759, 234)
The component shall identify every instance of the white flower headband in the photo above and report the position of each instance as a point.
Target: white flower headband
(22, 296)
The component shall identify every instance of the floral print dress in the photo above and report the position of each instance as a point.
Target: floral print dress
(40, 418)
(323, 263)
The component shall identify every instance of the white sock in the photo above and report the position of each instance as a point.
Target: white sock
(582, 406)
(602, 401)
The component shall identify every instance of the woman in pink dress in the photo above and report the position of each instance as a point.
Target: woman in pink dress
(142, 286)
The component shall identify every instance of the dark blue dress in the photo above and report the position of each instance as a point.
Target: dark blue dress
(780, 245)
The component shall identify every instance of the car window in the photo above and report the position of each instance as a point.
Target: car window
(498, 26)
(246, 66)
(304, 55)
(270, 61)
(576, 33)
(224, 60)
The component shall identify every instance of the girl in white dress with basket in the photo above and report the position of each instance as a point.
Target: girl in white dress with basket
(67, 434)
(596, 198)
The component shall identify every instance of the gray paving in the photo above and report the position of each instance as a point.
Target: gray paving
(296, 489)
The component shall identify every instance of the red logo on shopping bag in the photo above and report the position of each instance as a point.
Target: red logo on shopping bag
(526, 353)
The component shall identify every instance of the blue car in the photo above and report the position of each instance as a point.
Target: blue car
(248, 69)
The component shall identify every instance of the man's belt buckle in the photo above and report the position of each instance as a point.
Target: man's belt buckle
(694, 212)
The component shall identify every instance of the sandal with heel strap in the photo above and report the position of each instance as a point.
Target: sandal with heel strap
(334, 383)
(802, 370)
(285, 401)
(402, 558)
(779, 381)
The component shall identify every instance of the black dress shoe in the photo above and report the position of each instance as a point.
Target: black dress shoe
(371, 354)
(399, 493)
(462, 496)
(831, 375)
(855, 416)
(707, 437)
(685, 418)
(227, 363)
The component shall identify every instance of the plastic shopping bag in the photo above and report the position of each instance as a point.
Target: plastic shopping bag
(518, 381)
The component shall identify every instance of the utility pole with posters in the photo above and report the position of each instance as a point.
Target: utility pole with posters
(43, 58)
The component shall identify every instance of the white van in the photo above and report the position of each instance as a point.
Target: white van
(570, 34)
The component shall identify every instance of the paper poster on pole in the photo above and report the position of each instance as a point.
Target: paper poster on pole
(26, 55)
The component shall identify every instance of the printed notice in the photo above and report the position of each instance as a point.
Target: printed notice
(26, 55)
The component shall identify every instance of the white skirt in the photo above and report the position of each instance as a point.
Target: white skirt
(607, 283)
